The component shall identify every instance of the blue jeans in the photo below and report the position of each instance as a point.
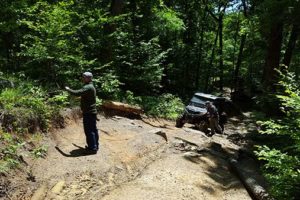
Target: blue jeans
(91, 131)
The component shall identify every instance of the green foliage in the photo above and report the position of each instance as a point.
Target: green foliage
(131, 99)
(59, 99)
(27, 108)
(140, 65)
(40, 152)
(282, 171)
(108, 86)
(165, 106)
(167, 22)
(52, 47)
(141, 45)
(13, 147)
(282, 165)
(268, 103)
(9, 147)
(24, 107)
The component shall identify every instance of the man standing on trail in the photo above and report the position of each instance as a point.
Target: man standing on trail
(89, 111)
(213, 117)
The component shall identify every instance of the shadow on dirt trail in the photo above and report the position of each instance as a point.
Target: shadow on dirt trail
(80, 151)
(217, 168)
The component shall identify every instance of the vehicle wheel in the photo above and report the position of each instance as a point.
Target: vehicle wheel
(180, 122)
(223, 118)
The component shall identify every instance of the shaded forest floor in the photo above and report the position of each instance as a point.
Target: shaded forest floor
(138, 159)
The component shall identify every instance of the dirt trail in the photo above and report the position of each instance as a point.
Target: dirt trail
(136, 162)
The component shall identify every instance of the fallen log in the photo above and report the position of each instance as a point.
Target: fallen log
(255, 189)
(112, 105)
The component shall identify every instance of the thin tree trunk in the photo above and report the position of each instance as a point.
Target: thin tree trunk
(242, 44)
(221, 64)
(291, 45)
(211, 62)
(188, 41)
(239, 61)
(200, 49)
(219, 20)
(235, 44)
(134, 20)
(233, 55)
(245, 10)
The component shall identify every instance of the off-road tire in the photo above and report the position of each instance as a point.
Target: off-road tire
(180, 122)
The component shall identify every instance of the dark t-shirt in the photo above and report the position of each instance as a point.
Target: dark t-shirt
(88, 98)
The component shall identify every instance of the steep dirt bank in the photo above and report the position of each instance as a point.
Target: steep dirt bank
(137, 159)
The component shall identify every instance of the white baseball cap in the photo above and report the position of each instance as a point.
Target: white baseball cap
(87, 74)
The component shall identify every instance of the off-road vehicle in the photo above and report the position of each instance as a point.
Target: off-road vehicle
(195, 111)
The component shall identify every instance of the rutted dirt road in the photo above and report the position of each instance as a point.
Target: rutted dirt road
(138, 159)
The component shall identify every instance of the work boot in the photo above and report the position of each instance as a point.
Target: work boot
(90, 151)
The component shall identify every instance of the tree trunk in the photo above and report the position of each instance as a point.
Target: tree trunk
(291, 45)
(188, 42)
(200, 49)
(8, 40)
(208, 75)
(134, 20)
(113, 105)
(221, 65)
(239, 62)
(245, 8)
(247, 175)
(236, 66)
(234, 47)
(116, 7)
(273, 55)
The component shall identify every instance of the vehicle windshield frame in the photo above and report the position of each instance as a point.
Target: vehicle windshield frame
(198, 101)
